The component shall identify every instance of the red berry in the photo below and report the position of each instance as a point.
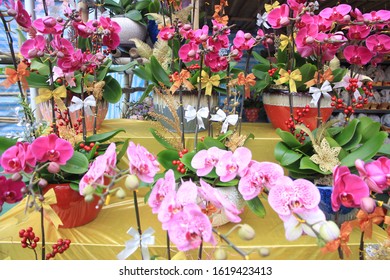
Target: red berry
(82, 145)
(91, 144)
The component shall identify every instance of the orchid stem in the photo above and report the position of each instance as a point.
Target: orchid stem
(198, 103)
(248, 57)
(42, 230)
(200, 250)
(238, 250)
(361, 246)
(168, 247)
(137, 216)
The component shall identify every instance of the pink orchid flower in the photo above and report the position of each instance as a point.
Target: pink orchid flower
(348, 189)
(142, 163)
(357, 55)
(243, 41)
(294, 228)
(189, 52)
(358, 32)
(218, 200)
(205, 160)
(174, 202)
(201, 35)
(296, 6)
(22, 16)
(306, 40)
(52, 148)
(378, 43)
(232, 164)
(288, 196)
(166, 33)
(216, 62)
(338, 13)
(18, 158)
(357, 14)
(258, 176)
(82, 29)
(110, 157)
(109, 24)
(72, 62)
(94, 175)
(112, 41)
(162, 187)
(62, 46)
(10, 191)
(189, 228)
(47, 25)
(58, 73)
(279, 17)
(32, 48)
(375, 173)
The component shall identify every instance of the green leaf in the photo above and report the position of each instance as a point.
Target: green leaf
(384, 150)
(353, 143)
(140, 5)
(256, 206)
(288, 138)
(74, 186)
(366, 151)
(307, 70)
(134, 15)
(103, 137)
(103, 69)
(339, 74)
(231, 183)
(37, 81)
(84, 43)
(261, 59)
(122, 68)
(211, 142)
(160, 139)
(159, 72)
(285, 155)
(307, 163)
(114, 7)
(222, 137)
(165, 158)
(6, 143)
(154, 7)
(78, 164)
(367, 128)
(347, 133)
(123, 150)
(147, 91)
(42, 68)
(186, 160)
(21, 37)
(112, 90)
(143, 73)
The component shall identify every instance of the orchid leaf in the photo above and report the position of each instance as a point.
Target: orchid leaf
(6, 143)
(159, 72)
(103, 137)
(165, 158)
(186, 160)
(78, 164)
(347, 133)
(307, 163)
(36, 80)
(123, 150)
(288, 138)
(256, 206)
(112, 92)
(211, 142)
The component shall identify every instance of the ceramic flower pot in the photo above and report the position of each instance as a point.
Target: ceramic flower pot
(129, 30)
(252, 114)
(189, 98)
(46, 113)
(277, 108)
(71, 207)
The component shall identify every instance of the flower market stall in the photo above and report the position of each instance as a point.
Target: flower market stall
(196, 177)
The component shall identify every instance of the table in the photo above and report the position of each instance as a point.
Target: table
(104, 238)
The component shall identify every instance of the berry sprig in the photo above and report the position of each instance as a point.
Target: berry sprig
(296, 120)
(180, 166)
(58, 248)
(29, 240)
(86, 148)
(272, 71)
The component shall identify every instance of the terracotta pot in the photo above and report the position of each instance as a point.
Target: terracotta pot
(252, 114)
(71, 207)
(277, 107)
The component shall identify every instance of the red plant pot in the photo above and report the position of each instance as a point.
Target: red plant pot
(252, 114)
(71, 207)
(278, 110)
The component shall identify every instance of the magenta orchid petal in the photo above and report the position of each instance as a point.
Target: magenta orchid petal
(10, 191)
(18, 158)
(47, 25)
(94, 175)
(378, 43)
(22, 16)
(279, 17)
(32, 48)
(232, 164)
(357, 55)
(205, 160)
(52, 148)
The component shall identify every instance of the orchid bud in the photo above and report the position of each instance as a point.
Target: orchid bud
(187, 27)
(368, 205)
(88, 190)
(16, 177)
(132, 182)
(60, 19)
(346, 19)
(247, 36)
(264, 252)
(53, 168)
(42, 183)
(120, 193)
(309, 40)
(12, 12)
(234, 52)
(329, 231)
(220, 254)
(60, 54)
(49, 22)
(246, 232)
(89, 198)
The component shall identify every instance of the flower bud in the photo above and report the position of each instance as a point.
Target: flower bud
(132, 182)
(60, 19)
(120, 193)
(88, 198)
(247, 36)
(220, 254)
(88, 190)
(246, 232)
(264, 252)
(187, 27)
(16, 177)
(12, 12)
(368, 205)
(329, 231)
(53, 168)
(42, 183)
(49, 22)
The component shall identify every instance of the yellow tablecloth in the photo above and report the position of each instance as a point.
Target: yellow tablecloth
(105, 237)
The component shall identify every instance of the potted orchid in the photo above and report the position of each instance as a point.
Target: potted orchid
(306, 55)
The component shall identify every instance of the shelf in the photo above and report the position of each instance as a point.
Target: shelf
(381, 87)
(365, 111)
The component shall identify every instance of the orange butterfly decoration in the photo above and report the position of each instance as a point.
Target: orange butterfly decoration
(13, 76)
(327, 76)
(365, 221)
(342, 241)
(181, 79)
(247, 82)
